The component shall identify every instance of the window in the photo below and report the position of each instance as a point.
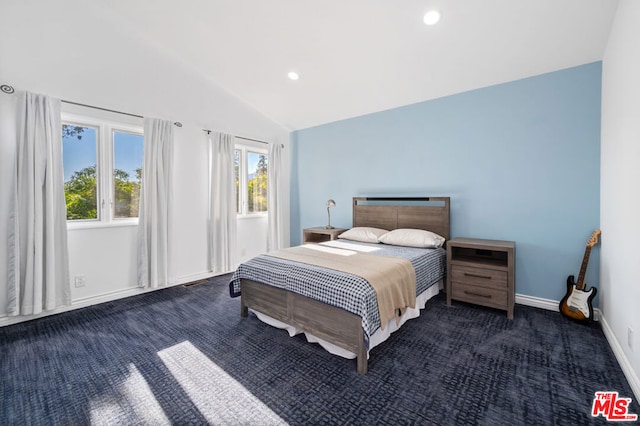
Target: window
(127, 173)
(79, 154)
(250, 168)
(102, 164)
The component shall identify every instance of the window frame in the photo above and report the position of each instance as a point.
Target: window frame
(106, 128)
(243, 180)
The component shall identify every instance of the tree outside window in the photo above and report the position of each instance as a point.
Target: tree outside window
(251, 170)
(257, 185)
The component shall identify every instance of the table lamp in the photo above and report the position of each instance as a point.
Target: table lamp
(330, 203)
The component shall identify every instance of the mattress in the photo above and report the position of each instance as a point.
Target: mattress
(340, 289)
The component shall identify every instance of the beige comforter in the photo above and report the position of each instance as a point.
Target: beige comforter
(392, 278)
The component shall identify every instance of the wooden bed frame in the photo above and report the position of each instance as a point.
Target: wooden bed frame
(336, 325)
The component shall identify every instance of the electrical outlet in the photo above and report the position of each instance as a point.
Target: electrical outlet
(81, 280)
(630, 338)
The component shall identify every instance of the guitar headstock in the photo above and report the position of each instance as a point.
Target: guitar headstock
(594, 238)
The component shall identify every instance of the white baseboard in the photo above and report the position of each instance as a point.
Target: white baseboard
(195, 277)
(548, 304)
(627, 369)
(538, 302)
(82, 302)
(109, 296)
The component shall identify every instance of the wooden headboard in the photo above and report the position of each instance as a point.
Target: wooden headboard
(429, 213)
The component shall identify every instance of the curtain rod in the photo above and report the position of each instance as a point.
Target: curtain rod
(242, 137)
(5, 88)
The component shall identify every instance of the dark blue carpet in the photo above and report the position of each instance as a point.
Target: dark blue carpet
(184, 355)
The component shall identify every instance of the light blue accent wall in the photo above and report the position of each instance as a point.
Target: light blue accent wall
(520, 161)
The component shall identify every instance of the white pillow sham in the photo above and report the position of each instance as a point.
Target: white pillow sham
(363, 234)
(412, 238)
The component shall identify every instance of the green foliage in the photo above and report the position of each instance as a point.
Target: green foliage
(81, 194)
(258, 187)
(127, 193)
(262, 165)
(69, 131)
(81, 191)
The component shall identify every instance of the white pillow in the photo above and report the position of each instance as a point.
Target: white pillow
(363, 234)
(412, 238)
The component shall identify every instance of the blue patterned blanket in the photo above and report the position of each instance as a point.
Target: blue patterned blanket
(336, 288)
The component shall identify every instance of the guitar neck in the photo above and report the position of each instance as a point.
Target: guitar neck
(583, 269)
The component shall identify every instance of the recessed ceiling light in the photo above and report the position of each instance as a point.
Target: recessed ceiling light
(432, 17)
(293, 75)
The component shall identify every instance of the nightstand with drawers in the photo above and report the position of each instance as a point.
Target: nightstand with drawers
(482, 272)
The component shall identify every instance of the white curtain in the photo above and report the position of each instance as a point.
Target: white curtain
(274, 171)
(222, 198)
(38, 267)
(155, 202)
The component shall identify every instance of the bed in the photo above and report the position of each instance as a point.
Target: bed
(345, 323)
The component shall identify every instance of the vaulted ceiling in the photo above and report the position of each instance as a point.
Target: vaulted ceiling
(360, 56)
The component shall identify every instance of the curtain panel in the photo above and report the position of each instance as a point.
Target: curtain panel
(38, 267)
(155, 202)
(274, 172)
(222, 199)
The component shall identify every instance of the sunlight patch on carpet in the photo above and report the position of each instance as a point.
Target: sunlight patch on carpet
(134, 402)
(218, 396)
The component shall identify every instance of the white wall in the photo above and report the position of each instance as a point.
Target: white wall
(80, 51)
(620, 179)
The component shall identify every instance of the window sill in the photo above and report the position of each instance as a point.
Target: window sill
(73, 226)
(252, 216)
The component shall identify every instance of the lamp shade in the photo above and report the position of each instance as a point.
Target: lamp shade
(330, 203)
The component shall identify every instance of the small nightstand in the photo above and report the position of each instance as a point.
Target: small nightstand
(320, 234)
(482, 272)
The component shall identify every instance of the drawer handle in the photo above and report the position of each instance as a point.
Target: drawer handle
(488, 277)
(471, 293)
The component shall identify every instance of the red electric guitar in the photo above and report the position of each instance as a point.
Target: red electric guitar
(576, 304)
